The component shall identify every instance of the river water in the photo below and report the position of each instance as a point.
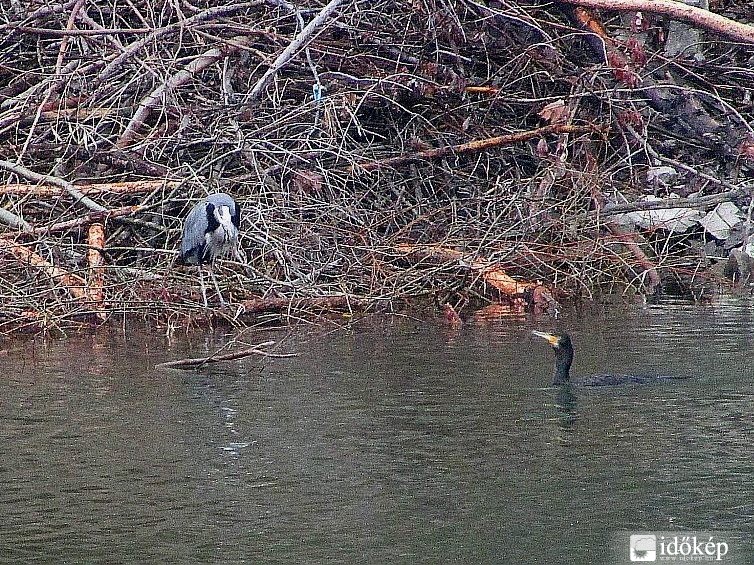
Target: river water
(390, 441)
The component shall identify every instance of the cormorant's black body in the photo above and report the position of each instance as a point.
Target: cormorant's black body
(563, 347)
(612, 380)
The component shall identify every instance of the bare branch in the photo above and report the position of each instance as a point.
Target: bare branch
(294, 47)
(678, 11)
(198, 362)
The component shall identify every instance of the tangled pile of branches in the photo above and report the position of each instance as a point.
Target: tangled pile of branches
(377, 149)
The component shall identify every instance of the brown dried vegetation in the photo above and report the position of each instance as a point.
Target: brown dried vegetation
(502, 132)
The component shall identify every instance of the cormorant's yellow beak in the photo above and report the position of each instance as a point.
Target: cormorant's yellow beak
(551, 339)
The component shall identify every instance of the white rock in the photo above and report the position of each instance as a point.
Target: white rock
(673, 219)
(719, 221)
(665, 175)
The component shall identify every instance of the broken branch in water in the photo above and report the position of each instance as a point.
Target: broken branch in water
(254, 350)
(277, 304)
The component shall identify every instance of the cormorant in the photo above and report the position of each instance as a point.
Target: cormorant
(563, 347)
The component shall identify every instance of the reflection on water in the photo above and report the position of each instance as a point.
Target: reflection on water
(392, 441)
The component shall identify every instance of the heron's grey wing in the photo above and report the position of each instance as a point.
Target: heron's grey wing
(194, 230)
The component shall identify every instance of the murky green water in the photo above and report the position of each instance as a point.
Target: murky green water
(392, 441)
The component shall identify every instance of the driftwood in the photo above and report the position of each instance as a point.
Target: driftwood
(157, 97)
(450, 317)
(13, 221)
(93, 217)
(699, 202)
(681, 106)
(631, 243)
(192, 363)
(68, 187)
(294, 47)
(116, 64)
(641, 257)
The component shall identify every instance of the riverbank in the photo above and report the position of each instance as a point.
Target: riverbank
(410, 152)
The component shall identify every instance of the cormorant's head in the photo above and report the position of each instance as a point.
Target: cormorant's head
(558, 341)
(563, 347)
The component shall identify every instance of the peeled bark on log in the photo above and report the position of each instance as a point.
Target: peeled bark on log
(73, 284)
(88, 219)
(47, 191)
(491, 273)
(96, 261)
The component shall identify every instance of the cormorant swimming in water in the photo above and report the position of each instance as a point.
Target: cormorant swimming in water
(563, 347)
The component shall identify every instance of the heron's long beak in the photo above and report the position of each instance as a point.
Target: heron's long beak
(551, 339)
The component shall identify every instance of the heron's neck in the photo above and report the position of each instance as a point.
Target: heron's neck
(563, 361)
(222, 213)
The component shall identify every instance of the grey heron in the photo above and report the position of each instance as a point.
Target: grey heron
(210, 231)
